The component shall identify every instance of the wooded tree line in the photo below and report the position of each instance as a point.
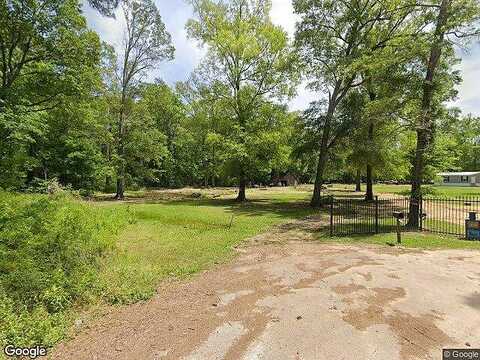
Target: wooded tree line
(80, 111)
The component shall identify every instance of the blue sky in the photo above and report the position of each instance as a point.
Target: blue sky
(175, 14)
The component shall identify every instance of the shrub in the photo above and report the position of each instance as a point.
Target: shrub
(50, 247)
(45, 186)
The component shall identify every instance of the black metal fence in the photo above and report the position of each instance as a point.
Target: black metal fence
(438, 215)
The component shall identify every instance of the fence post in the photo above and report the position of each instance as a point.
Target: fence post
(331, 215)
(420, 222)
(376, 214)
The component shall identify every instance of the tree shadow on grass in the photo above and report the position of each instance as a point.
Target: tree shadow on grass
(257, 207)
(289, 209)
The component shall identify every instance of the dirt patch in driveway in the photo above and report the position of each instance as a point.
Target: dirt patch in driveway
(417, 335)
(306, 229)
(300, 301)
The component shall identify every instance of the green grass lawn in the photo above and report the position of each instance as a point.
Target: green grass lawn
(181, 237)
(440, 191)
(409, 239)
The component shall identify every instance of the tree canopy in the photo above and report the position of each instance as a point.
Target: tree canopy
(249, 60)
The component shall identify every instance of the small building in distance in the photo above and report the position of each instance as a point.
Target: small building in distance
(285, 180)
(464, 178)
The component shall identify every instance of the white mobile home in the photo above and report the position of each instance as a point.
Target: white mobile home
(466, 178)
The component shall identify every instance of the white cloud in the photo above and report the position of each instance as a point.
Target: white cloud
(109, 29)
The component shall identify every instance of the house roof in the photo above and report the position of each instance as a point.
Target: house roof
(464, 173)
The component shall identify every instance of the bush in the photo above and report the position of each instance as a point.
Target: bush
(41, 186)
(50, 248)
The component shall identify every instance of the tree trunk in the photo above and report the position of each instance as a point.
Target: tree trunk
(108, 183)
(241, 187)
(369, 193)
(323, 156)
(425, 126)
(241, 117)
(120, 177)
(108, 155)
(120, 186)
(121, 152)
(358, 181)
(214, 162)
(417, 178)
(317, 189)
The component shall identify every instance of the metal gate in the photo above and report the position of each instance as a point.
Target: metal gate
(350, 216)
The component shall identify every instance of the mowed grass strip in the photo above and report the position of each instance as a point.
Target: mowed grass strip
(179, 238)
(437, 191)
(421, 240)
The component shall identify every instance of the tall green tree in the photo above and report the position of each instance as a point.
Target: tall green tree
(387, 94)
(452, 18)
(168, 113)
(70, 150)
(146, 43)
(213, 128)
(208, 124)
(249, 57)
(338, 40)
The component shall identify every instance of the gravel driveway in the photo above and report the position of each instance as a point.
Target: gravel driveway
(301, 301)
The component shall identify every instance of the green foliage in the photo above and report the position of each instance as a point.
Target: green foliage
(48, 57)
(249, 53)
(135, 139)
(50, 247)
(463, 133)
(17, 131)
(71, 149)
(249, 59)
(165, 113)
(219, 146)
(428, 190)
(105, 7)
(73, 112)
(340, 43)
(74, 116)
(28, 328)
